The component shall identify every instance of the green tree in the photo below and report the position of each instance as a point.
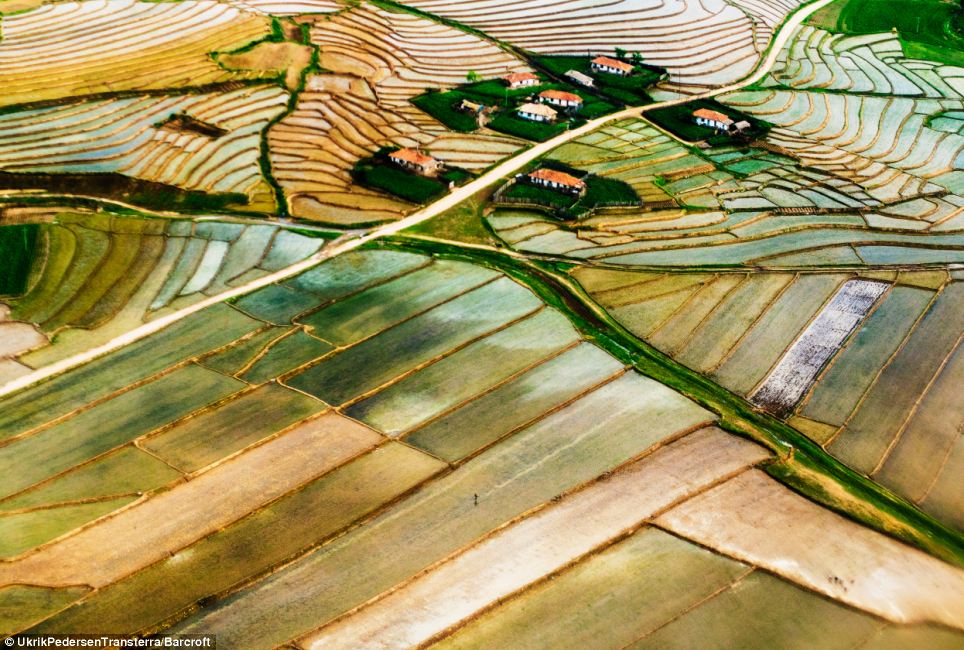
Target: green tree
(638, 58)
(473, 76)
(620, 53)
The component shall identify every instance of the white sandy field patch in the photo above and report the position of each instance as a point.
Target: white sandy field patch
(755, 519)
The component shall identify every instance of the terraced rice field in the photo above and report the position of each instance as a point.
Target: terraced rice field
(862, 362)
(763, 205)
(376, 61)
(867, 63)
(537, 465)
(67, 49)
(101, 276)
(133, 136)
(701, 43)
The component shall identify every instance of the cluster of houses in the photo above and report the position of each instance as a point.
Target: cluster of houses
(541, 109)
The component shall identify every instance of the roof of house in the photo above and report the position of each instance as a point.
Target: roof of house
(538, 109)
(743, 124)
(468, 103)
(613, 63)
(707, 114)
(584, 78)
(412, 156)
(561, 178)
(561, 95)
(516, 77)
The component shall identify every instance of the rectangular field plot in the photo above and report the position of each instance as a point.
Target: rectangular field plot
(929, 436)
(517, 402)
(381, 358)
(378, 308)
(595, 434)
(542, 543)
(763, 611)
(608, 600)
(277, 304)
(154, 529)
(771, 335)
(353, 272)
(23, 531)
(854, 368)
(219, 432)
(202, 332)
(126, 471)
(729, 321)
(791, 378)
(20, 606)
(111, 424)
(285, 354)
(867, 436)
(468, 372)
(252, 545)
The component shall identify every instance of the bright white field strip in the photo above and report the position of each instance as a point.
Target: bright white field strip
(755, 519)
(541, 544)
(122, 136)
(701, 43)
(796, 371)
(155, 528)
(72, 48)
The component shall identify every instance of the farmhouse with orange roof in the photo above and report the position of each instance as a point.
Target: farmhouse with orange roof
(561, 98)
(712, 119)
(520, 80)
(556, 180)
(416, 161)
(612, 66)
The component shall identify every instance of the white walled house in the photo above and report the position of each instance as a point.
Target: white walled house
(611, 66)
(521, 80)
(712, 119)
(580, 78)
(537, 113)
(560, 98)
(558, 181)
(415, 161)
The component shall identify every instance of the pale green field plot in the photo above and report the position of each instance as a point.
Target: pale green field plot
(286, 354)
(468, 372)
(111, 424)
(854, 368)
(355, 271)
(676, 331)
(277, 304)
(723, 328)
(251, 546)
(219, 432)
(22, 605)
(22, 532)
(126, 471)
(763, 611)
(486, 419)
(381, 358)
(244, 352)
(378, 308)
(866, 438)
(208, 330)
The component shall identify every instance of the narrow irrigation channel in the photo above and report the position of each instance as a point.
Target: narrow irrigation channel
(800, 463)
